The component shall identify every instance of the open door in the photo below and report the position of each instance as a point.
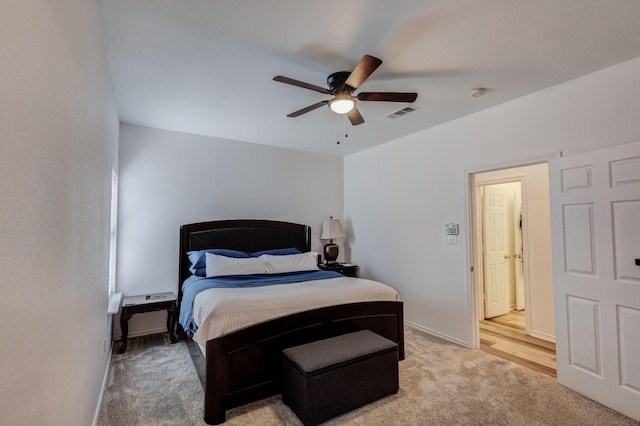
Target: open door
(495, 252)
(519, 250)
(595, 222)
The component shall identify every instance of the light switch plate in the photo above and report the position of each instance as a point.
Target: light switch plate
(452, 239)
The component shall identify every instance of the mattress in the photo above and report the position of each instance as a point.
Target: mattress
(219, 311)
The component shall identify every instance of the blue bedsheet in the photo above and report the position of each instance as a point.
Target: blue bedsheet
(194, 285)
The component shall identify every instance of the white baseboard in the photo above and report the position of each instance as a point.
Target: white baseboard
(440, 335)
(543, 336)
(104, 386)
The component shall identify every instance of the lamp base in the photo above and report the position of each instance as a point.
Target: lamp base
(330, 253)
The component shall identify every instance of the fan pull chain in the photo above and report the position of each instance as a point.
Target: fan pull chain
(346, 128)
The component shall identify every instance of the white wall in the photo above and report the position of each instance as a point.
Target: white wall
(399, 196)
(58, 142)
(168, 179)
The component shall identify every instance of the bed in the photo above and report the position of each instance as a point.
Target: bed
(244, 365)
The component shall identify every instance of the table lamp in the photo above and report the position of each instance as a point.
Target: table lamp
(331, 229)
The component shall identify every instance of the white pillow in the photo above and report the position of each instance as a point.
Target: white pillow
(222, 265)
(291, 263)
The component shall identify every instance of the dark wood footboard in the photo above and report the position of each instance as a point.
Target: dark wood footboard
(246, 365)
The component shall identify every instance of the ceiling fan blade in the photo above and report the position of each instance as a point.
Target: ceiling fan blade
(366, 67)
(307, 109)
(387, 96)
(302, 84)
(354, 117)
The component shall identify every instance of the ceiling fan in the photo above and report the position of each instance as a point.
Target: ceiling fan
(342, 84)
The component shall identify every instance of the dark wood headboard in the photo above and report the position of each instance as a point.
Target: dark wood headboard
(243, 235)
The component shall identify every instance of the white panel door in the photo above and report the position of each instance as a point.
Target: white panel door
(595, 224)
(496, 287)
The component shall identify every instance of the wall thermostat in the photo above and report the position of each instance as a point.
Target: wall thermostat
(451, 229)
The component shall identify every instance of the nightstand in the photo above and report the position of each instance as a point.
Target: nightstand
(148, 303)
(346, 269)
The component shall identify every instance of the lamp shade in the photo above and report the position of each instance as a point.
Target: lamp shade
(331, 229)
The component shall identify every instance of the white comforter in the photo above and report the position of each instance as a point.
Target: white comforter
(219, 311)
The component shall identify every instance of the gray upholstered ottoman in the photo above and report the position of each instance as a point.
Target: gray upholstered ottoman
(329, 377)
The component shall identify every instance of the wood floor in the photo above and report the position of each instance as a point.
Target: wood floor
(504, 336)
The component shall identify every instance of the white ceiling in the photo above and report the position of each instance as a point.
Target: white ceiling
(206, 66)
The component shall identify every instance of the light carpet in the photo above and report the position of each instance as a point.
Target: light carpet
(155, 383)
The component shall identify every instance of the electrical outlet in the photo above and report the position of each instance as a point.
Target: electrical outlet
(452, 239)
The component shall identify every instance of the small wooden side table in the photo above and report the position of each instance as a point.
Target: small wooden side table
(346, 269)
(148, 303)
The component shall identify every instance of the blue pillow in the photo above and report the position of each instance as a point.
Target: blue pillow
(199, 261)
(276, 252)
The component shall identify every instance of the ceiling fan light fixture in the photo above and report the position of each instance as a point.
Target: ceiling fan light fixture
(342, 104)
(341, 85)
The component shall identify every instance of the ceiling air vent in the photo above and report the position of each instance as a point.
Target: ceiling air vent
(403, 111)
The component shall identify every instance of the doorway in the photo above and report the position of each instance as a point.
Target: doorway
(512, 273)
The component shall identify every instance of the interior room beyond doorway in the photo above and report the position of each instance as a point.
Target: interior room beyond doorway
(512, 265)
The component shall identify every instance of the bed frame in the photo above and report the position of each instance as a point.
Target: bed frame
(246, 365)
